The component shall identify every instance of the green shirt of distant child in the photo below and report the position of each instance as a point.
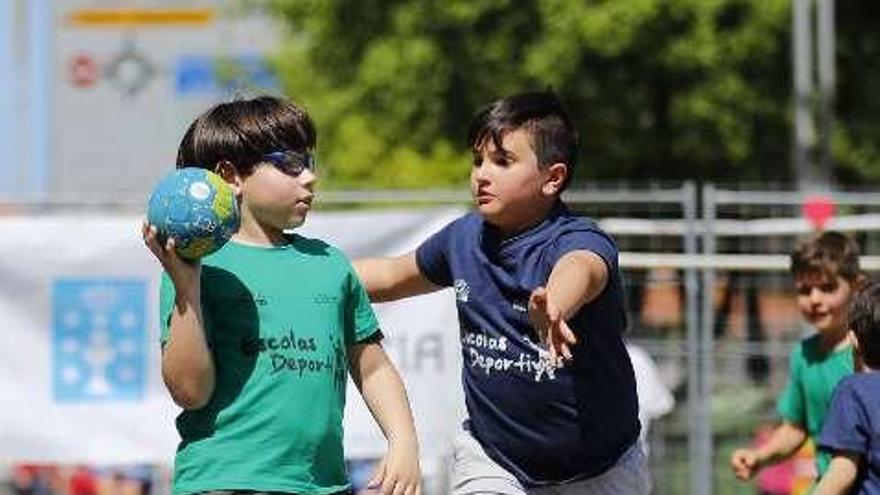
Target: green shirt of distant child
(813, 374)
(279, 321)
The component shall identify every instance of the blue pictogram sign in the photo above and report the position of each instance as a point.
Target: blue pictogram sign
(98, 339)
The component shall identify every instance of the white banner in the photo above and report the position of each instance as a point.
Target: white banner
(79, 352)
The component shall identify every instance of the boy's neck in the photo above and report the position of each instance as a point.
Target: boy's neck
(834, 341)
(255, 235)
(531, 222)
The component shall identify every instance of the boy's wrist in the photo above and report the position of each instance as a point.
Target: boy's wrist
(762, 457)
(188, 296)
(407, 441)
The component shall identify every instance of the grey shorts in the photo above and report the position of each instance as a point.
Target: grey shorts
(474, 473)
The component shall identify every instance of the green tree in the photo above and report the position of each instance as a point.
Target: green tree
(659, 89)
(857, 128)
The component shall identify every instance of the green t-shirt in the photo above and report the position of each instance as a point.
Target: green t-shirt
(279, 321)
(813, 374)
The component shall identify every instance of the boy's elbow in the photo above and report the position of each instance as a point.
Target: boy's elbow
(190, 398)
(191, 405)
(190, 393)
(378, 286)
(386, 294)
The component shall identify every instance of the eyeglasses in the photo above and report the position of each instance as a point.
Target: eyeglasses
(291, 163)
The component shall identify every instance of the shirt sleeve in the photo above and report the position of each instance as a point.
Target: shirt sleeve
(791, 404)
(361, 322)
(167, 294)
(166, 306)
(431, 257)
(846, 424)
(592, 240)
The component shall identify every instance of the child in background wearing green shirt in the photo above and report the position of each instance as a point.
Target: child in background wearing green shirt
(258, 339)
(826, 272)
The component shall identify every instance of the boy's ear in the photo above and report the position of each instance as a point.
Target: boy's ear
(230, 174)
(556, 175)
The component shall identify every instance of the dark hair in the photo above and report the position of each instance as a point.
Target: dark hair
(243, 131)
(542, 115)
(829, 253)
(864, 321)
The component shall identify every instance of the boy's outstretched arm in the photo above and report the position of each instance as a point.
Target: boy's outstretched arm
(389, 279)
(187, 363)
(576, 279)
(383, 391)
(785, 440)
(841, 474)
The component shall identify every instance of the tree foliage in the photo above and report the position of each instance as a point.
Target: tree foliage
(660, 89)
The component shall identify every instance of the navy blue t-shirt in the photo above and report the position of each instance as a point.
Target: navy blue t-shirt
(543, 424)
(853, 425)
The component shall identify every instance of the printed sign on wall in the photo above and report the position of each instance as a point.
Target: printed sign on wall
(201, 74)
(98, 339)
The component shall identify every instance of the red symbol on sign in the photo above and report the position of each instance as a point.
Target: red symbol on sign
(818, 210)
(83, 71)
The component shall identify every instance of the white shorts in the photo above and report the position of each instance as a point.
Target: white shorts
(474, 473)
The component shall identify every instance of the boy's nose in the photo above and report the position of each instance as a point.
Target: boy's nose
(481, 175)
(307, 178)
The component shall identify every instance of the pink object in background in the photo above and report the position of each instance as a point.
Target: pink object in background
(818, 210)
(775, 479)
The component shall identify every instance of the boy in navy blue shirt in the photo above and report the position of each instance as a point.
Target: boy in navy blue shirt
(549, 387)
(852, 428)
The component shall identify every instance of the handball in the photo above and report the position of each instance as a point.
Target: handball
(196, 208)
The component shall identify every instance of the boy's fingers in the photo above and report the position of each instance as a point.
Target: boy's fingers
(378, 476)
(566, 352)
(146, 232)
(559, 339)
(376, 482)
(152, 243)
(552, 316)
(538, 297)
(567, 334)
(388, 486)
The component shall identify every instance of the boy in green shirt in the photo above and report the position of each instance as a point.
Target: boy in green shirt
(826, 273)
(259, 338)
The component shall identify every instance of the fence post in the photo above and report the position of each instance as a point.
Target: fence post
(692, 326)
(702, 466)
